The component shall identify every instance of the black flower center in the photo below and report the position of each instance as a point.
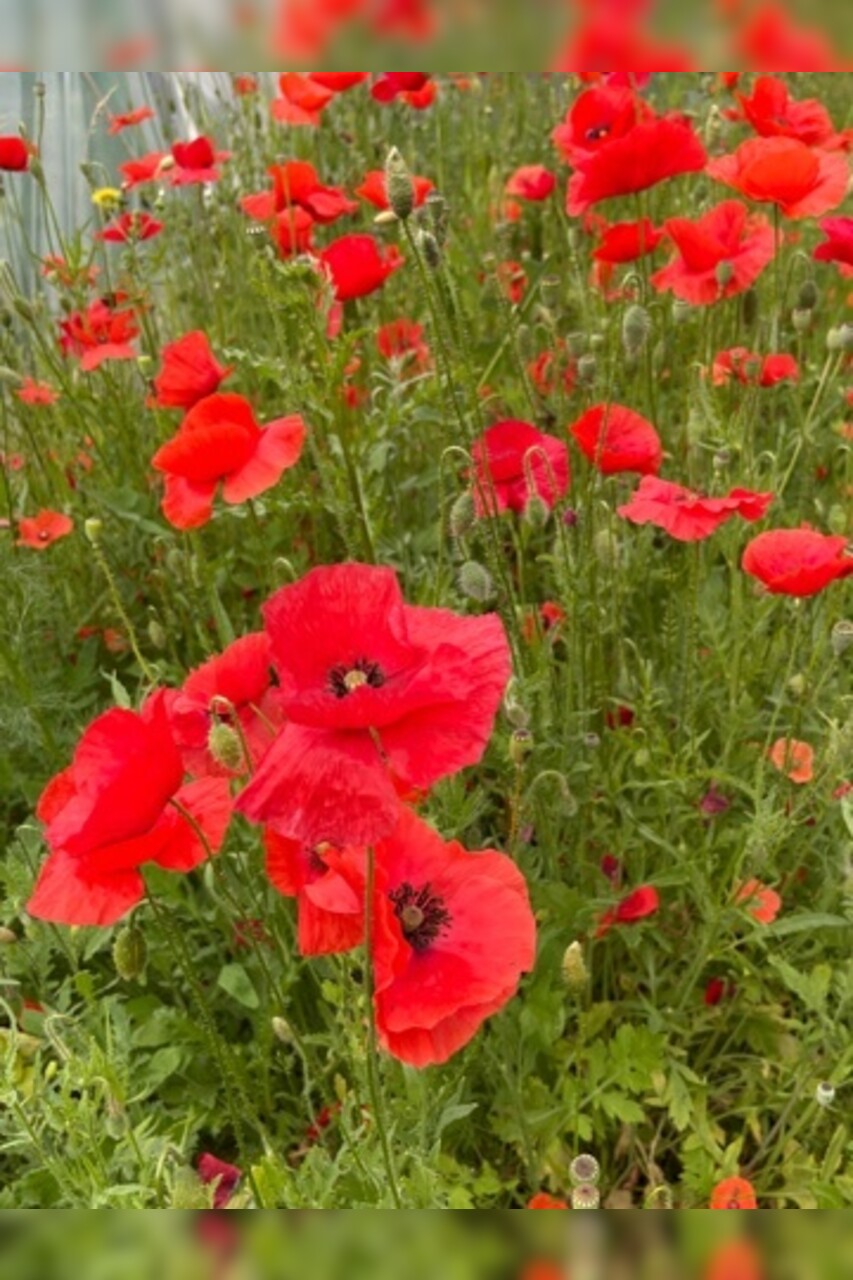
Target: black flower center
(421, 913)
(597, 132)
(346, 678)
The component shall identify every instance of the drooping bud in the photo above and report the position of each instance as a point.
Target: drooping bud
(130, 953)
(514, 709)
(430, 248)
(476, 582)
(157, 634)
(536, 512)
(636, 328)
(7, 937)
(463, 516)
(398, 185)
(842, 637)
(225, 746)
(574, 970)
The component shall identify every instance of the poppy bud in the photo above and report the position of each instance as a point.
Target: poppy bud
(520, 746)
(430, 248)
(797, 685)
(281, 1030)
(157, 634)
(92, 529)
(587, 369)
(721, 459)
(801, 319)
(585, 1169)
(577, 344)
(842, 637)
(607, 548)
(724, 273)
(23, 308)
(575, 972)
(749, 308)
(462, 515)
(7, 937)
(130, 953)
(808, 296)
(476, 582)
(436, 207)
(596, 341)
(825, 1094)
(514, 710)
(536, 512)
(681, 311)
(837, 519)
(398, 185)
(550, 290)
(225, 746)
(636, 327)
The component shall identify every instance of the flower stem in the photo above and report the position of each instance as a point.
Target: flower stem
(372, 1052)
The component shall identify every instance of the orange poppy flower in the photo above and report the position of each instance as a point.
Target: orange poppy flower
(42, 530)
(795, 759)
(766, 903)
(733, 1193)
(802, 181)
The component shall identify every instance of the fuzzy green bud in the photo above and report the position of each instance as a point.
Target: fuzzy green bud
(801, 319)
(797, 685)
(808, 296)
(430, 248)
(681, 311)
(463, 515)
(188, 1191)
(476, 582)
(577, 343)
(225, 746)
(842, 637)
(636, 328)
(93, 529)
(281, 1030)
(438, 214)
(398, 185)
(587, 369)
(573, 968)
(7, 937)
(130, 953)
(157, 634)
(536, 512)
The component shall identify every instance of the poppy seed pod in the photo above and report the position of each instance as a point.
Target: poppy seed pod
(130, 953)
(587, 369)
(681, 311)
(399, 185)
(636, 328)
(825, 1094)
(584, 1169)
(586, 1197)
(476, 582)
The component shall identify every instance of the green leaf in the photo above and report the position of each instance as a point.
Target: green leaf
(235, 980)
(809, 922)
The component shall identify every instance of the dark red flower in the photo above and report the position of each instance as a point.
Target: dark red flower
(615, 438)
(454, 932)
(373, 690)
(772, 112)
(296, 184)
(512, 462)
(531, 182)
(392, 83)
(144, 169)
(302, 100)
(797, 562)
(235, 690)
(130, 228)
(358, 266)
(718, 255)
(127, 119)
(688, 516)
(639, 905)
(373, 189)
(717, 990)
(653, 150)
(36, 393)
(403, 340)
(753, 370)
(803, 182)
(104, 331)
(114, 809)
(189, 372)
(14, 154)
(40, 531)
(219, 441)
(838, 246)
(225, 1177)
(627, 241)
(331, 910)
(196, 162)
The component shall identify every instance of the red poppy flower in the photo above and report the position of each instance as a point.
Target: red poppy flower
(770, 38)
(717, 990)
(127, 119)
(403, 340)
(196, 162)
(838, 246)
(718, 255)
(420, 99)
(373, 189)
(794, 759)
(36, 393)
(331, 910)
(130, 228)
(302, 100)
(144, 169)
(40, 531)
(653, 150)
(189, 372)
(733, 1193)
(737, 1258)
(616, 439)
(549, 367)
(639, 905)
(513, 281)
(224, 1177)
(803, 182)
(374, 690)
(753, 370)
(597, 117)
(113, 810)
(392, 83)
(245, 85)
(219, 441)
(797, 562)
(627, 241)
(688, 516)
(233, 689)
(292, 231)
(762, 902)
(611, 35)
(543, 1201)
(297, 184)
(339, 81)
(772, 112)
(512, 462)
(14, 154)
(358, 266)
(454, 932)
(101, 332)
(531, 182)
(60, 272)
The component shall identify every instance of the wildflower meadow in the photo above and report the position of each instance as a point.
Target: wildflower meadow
(426, 645)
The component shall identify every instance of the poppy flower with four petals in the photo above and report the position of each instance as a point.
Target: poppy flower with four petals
(189, 372)
(797, 562)
(719, 254)
(688, 516)
(104, 331)
(654, 150)
(357, 265)
(531, 182)
(41, 531)
(802, 181)
(733, 1193)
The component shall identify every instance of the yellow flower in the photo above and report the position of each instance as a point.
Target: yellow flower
(107, 197)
